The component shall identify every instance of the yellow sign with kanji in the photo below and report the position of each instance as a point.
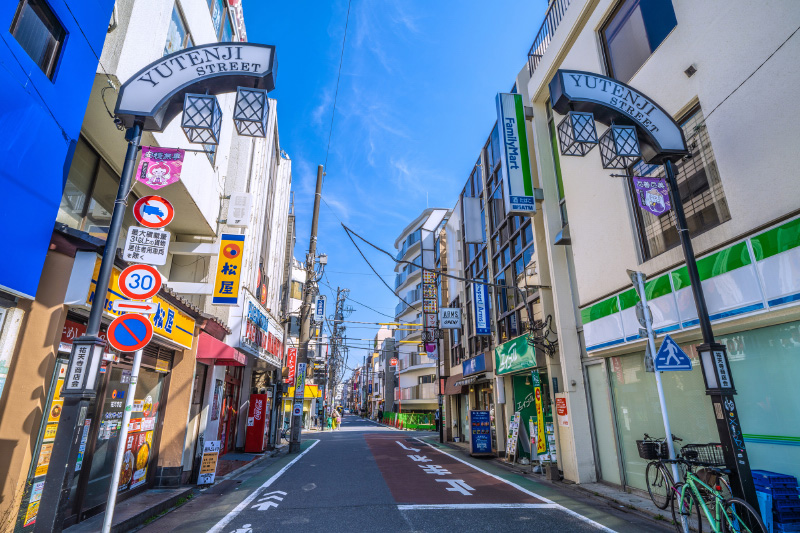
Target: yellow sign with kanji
(229, 270)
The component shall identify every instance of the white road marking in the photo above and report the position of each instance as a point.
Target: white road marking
(457, 485)
(423, 507)
(435, 469)
(406, 448)
(554, 505)
(243, 505)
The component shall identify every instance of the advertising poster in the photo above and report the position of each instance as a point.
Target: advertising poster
(208, 465)
(541, 439)
(159, 167)
(481, 432)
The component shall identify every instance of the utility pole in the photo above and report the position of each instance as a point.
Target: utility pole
(305, 322)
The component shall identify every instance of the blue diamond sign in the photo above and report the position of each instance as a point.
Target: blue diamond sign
(671, 357)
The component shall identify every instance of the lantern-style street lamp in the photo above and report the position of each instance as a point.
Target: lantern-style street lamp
(250, 112)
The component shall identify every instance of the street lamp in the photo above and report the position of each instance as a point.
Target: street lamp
(619, 147)
(577, 134)
(202, 118)
(250, 112)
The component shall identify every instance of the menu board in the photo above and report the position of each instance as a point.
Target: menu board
(208, 465)
(139, 443)
(53, 413)
(513, 435)
(481, 432)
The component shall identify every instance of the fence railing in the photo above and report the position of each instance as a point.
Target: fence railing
(549, 25)
(410, 420)
(413, 359)
(425, 391)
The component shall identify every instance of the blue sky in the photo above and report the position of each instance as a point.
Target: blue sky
(416, 103)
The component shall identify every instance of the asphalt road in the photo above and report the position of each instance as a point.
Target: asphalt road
(365, 477)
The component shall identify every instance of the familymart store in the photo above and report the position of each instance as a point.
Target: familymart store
(519, 373)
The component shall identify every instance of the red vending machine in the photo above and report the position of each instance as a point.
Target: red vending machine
(257, 434)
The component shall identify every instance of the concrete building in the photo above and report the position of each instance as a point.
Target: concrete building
(718, 74)
(416, 391)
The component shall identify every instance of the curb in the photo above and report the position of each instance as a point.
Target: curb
(233, 473)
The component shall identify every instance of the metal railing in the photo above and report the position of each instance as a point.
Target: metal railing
(413, 359)
(411, 297)
(425, 391)
(549, 25)
(412, 239)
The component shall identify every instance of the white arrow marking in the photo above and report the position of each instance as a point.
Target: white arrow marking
(406, 448)
(264, 506)
(275, 492)
(273, 497)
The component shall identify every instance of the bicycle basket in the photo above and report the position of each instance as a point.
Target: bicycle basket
(709, 477)
(648, 450)
(709, 454)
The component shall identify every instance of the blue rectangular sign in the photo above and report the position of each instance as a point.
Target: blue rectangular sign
(480, 301)
(481, 431)
(474, 365)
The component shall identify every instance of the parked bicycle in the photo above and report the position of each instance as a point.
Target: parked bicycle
(660, 483)
(702, 490)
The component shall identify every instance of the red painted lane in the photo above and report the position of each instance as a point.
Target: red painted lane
(406, 473)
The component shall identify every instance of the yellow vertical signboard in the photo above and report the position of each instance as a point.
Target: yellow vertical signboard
(541, 438)
(229, 270)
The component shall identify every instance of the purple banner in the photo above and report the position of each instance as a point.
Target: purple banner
(160, 167)
(653, 194)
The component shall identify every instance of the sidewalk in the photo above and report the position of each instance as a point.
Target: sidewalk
(599, 491)
(150, 505)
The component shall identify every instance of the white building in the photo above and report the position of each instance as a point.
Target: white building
(417, 372)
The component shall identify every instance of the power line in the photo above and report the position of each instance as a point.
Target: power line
(336, 95)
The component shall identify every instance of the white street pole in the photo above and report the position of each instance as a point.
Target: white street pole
(123, 437)
(648, 320)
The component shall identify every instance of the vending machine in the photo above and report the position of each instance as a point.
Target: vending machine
(258, 416)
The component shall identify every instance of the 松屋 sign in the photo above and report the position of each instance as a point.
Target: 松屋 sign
(514, 164)
(480, 301)
(229, 270)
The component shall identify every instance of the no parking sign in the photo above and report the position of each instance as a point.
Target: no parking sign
(129, 332)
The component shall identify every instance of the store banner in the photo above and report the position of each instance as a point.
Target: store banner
(514, 162)
(291, 363)
(229, 270)
(514, 355)
(480, 301)
(541, 438)
(652, 194)
(260, 335)
(159, 167)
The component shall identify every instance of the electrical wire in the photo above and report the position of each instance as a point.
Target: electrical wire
(336, 95)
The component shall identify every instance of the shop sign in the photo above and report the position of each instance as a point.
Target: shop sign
(159, 167)
(208, 465)
(652, 194)
(513, 435)
(450, 318)
(514, 164)
(541, 437)
(481, 432)
(229, 270)
(480, 301)
(514, 355)
(291, 362)
(260, 335)
(561, 411)
(474, 365)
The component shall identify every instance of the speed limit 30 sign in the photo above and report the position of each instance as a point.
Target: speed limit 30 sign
(140, 282)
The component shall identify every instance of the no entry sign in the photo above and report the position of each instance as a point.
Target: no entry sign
(130, 332)
(140, 282)
(153, 211)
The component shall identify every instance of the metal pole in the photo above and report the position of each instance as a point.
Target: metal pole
(121, 443)
(305, 311)
(58, 482)
(725, 412)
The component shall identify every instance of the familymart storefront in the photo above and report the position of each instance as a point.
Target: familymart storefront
(521, 375)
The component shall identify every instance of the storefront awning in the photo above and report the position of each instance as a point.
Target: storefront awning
(469, 380)
(450, 387)
(213, 352)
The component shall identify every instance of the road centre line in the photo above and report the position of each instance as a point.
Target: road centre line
(420, 507)
(243, 505)
(554, 505)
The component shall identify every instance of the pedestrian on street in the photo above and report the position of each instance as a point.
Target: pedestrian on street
(338, 419)
(380, 416)
(330, 422)
(436, 418)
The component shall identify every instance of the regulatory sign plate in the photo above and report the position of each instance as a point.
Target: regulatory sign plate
(140, 282)
(129, 332)
(153, 211)
(127, 306)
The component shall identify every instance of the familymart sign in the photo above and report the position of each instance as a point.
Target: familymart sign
(514, 163)
(513, 356)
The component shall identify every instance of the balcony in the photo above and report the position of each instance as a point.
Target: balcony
(405, 332)
(409, 360)
(411, 297)
(411, 240)
(549, 25)
(425, 391)
(407, 273)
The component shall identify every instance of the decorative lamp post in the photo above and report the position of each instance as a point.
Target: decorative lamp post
(619, 147)
(202, 118)
(250, 112)
(577, 134)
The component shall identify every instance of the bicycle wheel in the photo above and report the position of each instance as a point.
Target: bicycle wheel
(685, 505)
(740, 517)
(659, 484)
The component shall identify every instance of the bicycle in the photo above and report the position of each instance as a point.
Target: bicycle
(660, 484)
(696, 494)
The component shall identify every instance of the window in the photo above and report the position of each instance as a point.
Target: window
(634, 31)
(38, 31)
(296, 290)
(220, 18)
(89, 194)
(178, 36)
(700, 188)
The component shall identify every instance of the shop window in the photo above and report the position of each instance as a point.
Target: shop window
(89, 194)
(700, 188)
(38, 31)
(633, 32)
(178, 37)
(528, 234)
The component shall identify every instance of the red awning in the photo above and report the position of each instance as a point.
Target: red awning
(213, 352)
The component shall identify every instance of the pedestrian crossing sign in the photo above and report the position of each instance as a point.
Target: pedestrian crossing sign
(671, 357)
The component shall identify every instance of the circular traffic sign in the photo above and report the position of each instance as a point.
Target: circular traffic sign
(231, 250)
(153, 211)
(129, 332)
(140, 282)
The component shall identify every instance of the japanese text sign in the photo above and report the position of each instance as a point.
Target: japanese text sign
(229, 270)
(148, 246)
(652, 194)
(159, 167)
